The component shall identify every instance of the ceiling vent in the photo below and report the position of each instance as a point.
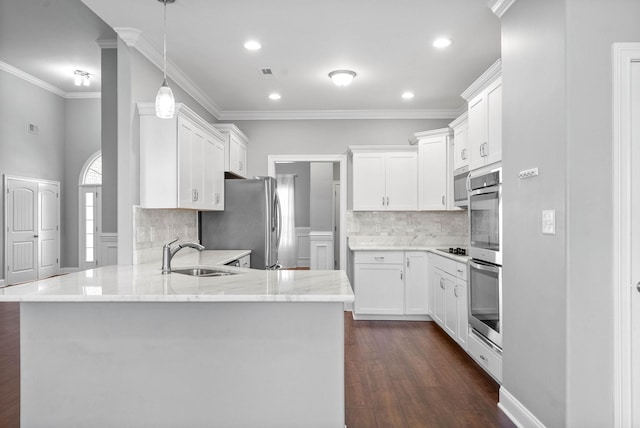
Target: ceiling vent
(267, 73)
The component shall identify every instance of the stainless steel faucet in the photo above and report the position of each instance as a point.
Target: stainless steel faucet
(168, 253)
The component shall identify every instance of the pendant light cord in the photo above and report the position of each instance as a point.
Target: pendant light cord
(164, 42)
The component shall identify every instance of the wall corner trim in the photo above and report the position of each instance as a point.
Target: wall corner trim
(516, 411)
(499, 7)
(484, 80)
(107, 43)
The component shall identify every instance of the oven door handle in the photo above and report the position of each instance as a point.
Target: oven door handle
(485, 267)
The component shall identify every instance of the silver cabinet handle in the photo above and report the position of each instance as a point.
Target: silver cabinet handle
(387, 201)
(483, 358)
(455, 291)
(407, 262)
(401, 275)
(637, 285)
(35, 236)
(441, 283)
(383, 201)
(442, 199)
(240, 165)
(379, 258)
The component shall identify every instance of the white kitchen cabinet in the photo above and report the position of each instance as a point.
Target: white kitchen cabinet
(416, 298)
(460, 128)
(379, 283)
(484, 99)
(448, 289)
(390, 285)
(486, 355)
(434, 171)
(384, 180)
(236, 146)
(181, 161)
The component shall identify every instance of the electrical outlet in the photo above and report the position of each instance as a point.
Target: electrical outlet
(549, 222)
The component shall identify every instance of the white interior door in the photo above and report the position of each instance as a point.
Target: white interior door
(22, 230)
(48, 230)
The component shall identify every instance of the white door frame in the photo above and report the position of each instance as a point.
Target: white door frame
(342, 159)
(623, 55)
(36, 208)
(97, 216)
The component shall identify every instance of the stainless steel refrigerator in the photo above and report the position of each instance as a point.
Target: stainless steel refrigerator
(251, 220)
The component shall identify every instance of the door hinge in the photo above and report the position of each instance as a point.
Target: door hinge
(57, 227)
(57, 195)
(57, 261)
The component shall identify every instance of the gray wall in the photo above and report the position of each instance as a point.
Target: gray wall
(24, 154)
(109, 135)
(284, 137)
(321, 210)
(82, 139)
(558, 295)
(302, 189)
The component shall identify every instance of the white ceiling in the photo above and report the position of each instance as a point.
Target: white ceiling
(388, 43)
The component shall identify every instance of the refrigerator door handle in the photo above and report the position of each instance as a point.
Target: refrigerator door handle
(279, 219)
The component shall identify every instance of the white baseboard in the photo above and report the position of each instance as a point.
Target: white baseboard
(519, 415)
(392, 317)
(2, 283)
(69, 270)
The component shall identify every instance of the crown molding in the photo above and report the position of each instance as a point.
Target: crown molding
(485, 79)
(44, 85)
(107, 43)
(499, 7)
(133, 38)
(460, 119)
(149, 109)
(338, 114)
(442, 132)
(31, 79)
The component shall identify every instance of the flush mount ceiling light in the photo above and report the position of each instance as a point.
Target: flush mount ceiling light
(407, 95)
(165, 103)
(342, 77)
(252, 45)
(442, 42)
(274, 96)
(81, 78)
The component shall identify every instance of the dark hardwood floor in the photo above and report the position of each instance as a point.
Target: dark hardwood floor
(411, 374)
(398, 374)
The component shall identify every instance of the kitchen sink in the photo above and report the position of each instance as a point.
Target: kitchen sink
(203, 272)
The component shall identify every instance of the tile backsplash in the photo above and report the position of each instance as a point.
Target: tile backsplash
(419, 228)
(155, 227)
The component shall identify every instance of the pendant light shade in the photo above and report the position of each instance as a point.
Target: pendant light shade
(165, 103)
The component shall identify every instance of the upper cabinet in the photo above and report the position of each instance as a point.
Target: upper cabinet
(384, 178)
(236, 145)
(460, 128)
(181, 161)
(484, 99)
(434, 169)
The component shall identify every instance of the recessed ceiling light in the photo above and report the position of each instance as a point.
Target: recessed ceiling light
(342, 77)
(442, 42)
(252, 45)
(407, 95)
(274, 96)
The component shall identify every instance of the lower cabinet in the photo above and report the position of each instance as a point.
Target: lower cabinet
(486, 356)
(390, 284)
(448, 292)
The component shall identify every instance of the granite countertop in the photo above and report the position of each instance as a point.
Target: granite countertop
(408, 247)
(145, 283)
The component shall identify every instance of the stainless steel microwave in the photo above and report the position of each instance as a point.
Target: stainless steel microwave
(461, 187)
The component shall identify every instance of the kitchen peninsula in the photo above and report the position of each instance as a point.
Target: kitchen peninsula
(128, 346)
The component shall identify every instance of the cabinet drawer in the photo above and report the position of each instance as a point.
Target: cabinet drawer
(461, 271)
(443, 263)
(487, 358)
(379, 257)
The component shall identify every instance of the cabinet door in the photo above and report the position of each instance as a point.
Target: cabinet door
(494, 122)
(186, 132)
(379, 289)
(451, 307)
(213, 194)
(433, 173)
(463, 315)
(401, 181)
(369, 181)
(477, 131)
(439, 290)
(242, 160)
(415, 283)
(197, 168)
(461, 146)
(234, 154)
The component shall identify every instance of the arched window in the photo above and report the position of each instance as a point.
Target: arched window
(92, 170)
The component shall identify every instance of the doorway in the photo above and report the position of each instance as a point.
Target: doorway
(32, 222)
(626, 251)
(339, 166)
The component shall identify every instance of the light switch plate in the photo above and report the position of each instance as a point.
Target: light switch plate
(549, 222)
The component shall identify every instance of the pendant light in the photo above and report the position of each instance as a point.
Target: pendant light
(165, 103)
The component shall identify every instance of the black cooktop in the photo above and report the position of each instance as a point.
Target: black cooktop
(458, 251)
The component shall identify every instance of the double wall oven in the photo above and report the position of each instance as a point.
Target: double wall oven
(485, 250)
